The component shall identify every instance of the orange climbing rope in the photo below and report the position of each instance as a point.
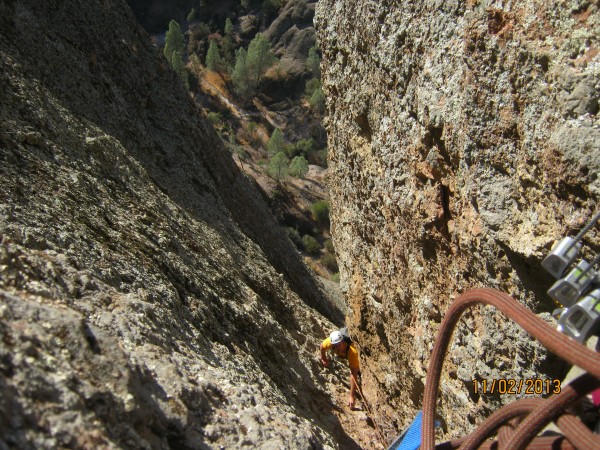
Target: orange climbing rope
(537, 412)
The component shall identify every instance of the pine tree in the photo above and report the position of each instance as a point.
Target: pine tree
(311, 86)
(251, 65)
(191, 15)
(228, 27)
(260, 58)
(276, 142)
(298, 167)
(239, 75)
(227, 43)
(278, 166)
(213, 58)
(179, 67)
(174, 41)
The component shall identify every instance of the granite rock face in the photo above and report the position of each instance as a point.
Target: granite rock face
(464, 139)
(147, 296)
(292, 35)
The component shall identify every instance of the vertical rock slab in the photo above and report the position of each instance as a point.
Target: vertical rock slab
(463, 139)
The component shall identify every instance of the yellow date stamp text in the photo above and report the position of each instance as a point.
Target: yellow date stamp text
(537, 386)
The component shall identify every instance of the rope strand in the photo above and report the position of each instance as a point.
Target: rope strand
(561, 345)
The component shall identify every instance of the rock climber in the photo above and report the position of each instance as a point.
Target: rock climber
(344, 348)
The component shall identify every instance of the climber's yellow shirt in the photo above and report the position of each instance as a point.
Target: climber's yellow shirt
(352, 353)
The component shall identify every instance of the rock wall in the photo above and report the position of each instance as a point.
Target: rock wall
(463, 140)
(147, 296)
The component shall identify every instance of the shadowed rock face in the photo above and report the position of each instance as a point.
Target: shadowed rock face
(155, 15)
(463, 140)
(147, 298)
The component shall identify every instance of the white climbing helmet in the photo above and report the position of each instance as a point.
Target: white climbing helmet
(336, 337)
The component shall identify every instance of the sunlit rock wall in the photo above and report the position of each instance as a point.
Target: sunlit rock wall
(463, 140)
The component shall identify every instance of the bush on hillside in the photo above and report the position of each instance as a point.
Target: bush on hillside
(303, 147)
(330, 262)
(320, 213)
(215, 118)
(313, 62)
(278, 166)
(311, 245)
(317, 101)
(295, 237)
(276, 143)
(298, 167)
(329, 246)
(311, 86)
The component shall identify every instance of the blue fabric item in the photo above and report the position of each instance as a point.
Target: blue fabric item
(411, 438)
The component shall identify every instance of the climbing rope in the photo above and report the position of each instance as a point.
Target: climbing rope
(539, 412)
(380, 435)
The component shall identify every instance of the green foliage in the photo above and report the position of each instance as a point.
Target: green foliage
(312, 85)
(228, 27)
(215, 118)
(313, 63)
(278, 166)
(276, 142)
(232, 139)
(314, 92)
(298, 167)
(329, 246)
(329, 261)
(228, 51)
(192, 15)
(241, 154)
(317, 100)
(303, 147)
(250, 66)
(213, 58)
(236, 148)
(320, 212)
(239, 75)
(174, 41)
(179, 67)
(318, 157)
(310, 244)
(203, 29)
(336, 277)
(260, 57)
(322, 157)
(227, 44)
(295, 237)
(249, 133)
